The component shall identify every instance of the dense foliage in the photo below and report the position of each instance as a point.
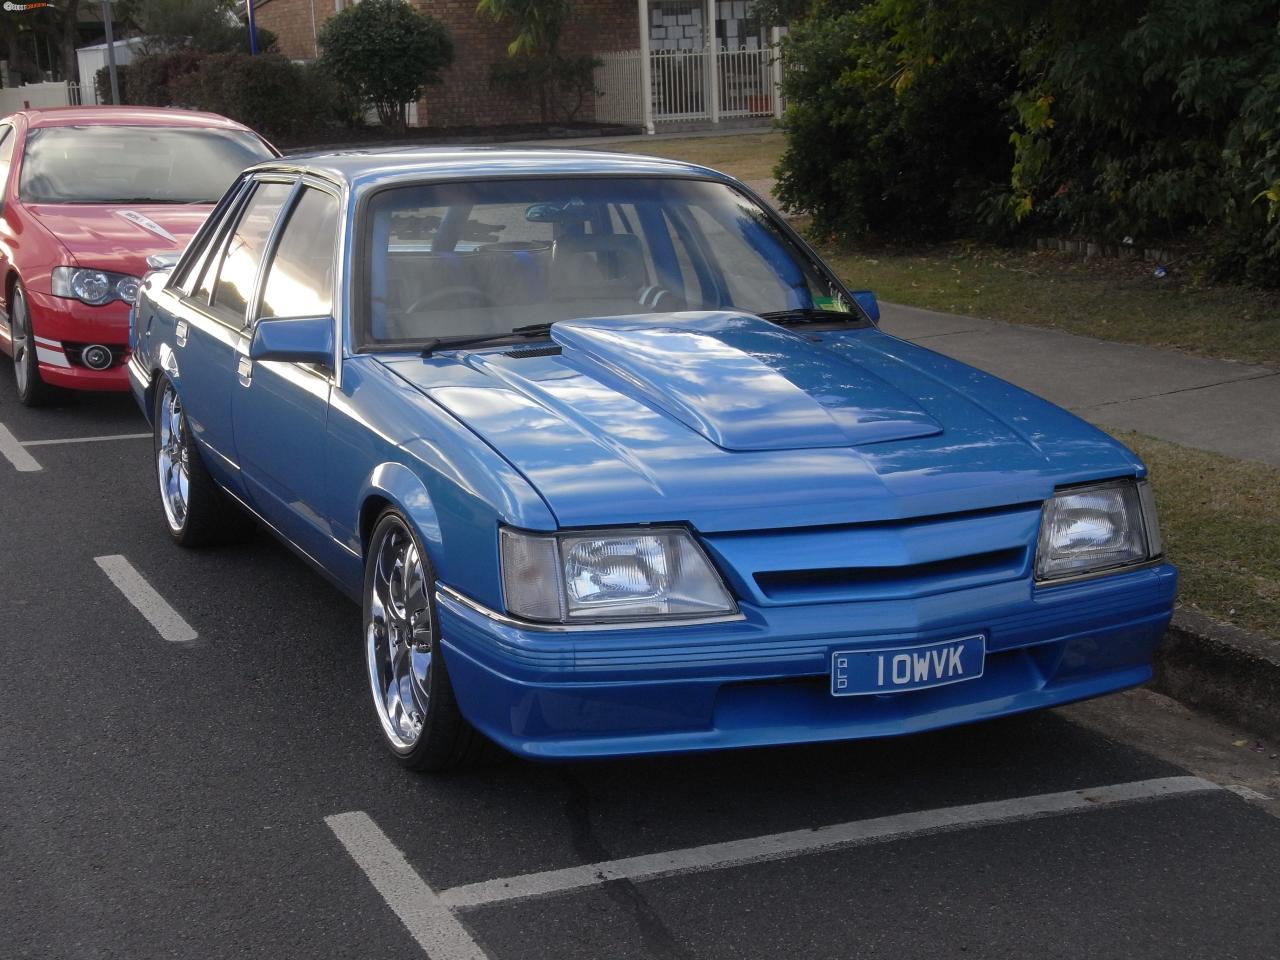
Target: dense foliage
(1157, 120)
(386, 51)
(281, 99)
(535, 67)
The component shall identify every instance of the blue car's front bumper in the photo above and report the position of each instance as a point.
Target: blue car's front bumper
(765, 679)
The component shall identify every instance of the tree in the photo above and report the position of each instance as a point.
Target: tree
(535, 65)
(385, 51)
(1152, 118)
(210, 26)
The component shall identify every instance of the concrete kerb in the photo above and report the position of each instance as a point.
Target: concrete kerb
(1221, 670)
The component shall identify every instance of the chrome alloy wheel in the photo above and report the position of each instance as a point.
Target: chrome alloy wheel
(398, 637)
(173, 458)
(21, 342)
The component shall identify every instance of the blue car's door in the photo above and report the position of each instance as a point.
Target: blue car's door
(280, 408)
(209, 327)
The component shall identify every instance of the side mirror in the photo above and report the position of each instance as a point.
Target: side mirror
(308, 340)
(867, 301)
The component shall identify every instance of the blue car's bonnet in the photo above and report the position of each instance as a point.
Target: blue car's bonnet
(730, 422)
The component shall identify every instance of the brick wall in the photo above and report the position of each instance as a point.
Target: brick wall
(290, 21)
(465, 98)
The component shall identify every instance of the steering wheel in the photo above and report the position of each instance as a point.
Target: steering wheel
(462, 291)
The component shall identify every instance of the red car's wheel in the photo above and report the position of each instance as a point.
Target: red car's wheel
(32, 390)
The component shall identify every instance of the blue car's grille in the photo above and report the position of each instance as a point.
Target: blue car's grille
(880, 561)
(874, 583)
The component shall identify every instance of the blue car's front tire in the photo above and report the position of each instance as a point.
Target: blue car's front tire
(412, 694)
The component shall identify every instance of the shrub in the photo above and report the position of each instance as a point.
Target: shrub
(385, 51)
(268, 93)
(871, 149)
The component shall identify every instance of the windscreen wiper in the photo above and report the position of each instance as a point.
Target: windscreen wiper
(809, 315)
(471, 340)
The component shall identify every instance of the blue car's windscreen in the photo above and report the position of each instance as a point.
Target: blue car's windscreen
(479, 258)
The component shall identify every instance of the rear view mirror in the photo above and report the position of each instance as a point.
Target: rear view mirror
(308, 340)
(867, 301)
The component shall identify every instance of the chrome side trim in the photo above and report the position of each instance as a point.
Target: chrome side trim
(449, 594)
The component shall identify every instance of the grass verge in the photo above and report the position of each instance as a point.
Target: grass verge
(1109, 299)
(747, 156)
(1221, 523)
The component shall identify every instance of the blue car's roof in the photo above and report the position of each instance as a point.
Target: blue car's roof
(355, 167)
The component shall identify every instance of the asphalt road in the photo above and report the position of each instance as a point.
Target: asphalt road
(172, 799)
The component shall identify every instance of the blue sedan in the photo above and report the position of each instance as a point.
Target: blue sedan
(616, 465)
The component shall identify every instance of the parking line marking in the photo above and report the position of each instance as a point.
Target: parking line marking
(167, 621)
(1248, 793)
(431, 923)
(14, 452)
(117, 436)
(779, 846)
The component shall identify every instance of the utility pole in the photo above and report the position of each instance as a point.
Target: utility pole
(253, 27)
(111, 53)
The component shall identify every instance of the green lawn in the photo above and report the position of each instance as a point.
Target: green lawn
(1109, 299)
(1221, 524)
(747, 156)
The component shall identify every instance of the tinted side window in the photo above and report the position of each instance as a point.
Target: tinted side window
(300, 277)
(210, 239)
(238, 269)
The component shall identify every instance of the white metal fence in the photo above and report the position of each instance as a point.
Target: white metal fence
(747, 87)
(681, 80)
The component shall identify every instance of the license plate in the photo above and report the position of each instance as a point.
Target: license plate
(895, 669)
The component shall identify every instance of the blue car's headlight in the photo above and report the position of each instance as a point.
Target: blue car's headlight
(1097, 527)
(609, 575)
(94, 287)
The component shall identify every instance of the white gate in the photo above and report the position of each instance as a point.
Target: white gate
(681, 85)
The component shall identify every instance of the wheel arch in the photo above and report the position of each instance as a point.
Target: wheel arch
(393, 484)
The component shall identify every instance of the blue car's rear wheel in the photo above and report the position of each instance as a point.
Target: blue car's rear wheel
(412, 695)
(195, 510)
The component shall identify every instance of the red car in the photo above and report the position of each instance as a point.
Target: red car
(89, 193)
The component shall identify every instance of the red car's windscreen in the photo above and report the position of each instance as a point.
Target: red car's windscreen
(134, 164)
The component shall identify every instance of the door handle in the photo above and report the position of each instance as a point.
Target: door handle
(245, 370)
(180, 333)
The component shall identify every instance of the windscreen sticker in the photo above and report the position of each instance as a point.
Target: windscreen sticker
(146, 223)
(831, 303)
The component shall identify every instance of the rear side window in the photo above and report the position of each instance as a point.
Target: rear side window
(231, 279)
(299, 279)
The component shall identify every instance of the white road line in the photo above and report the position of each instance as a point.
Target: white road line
(117, 436)
(1248, 793)
(168, 623)
(13, 451)
(778, 846)
(431, 923)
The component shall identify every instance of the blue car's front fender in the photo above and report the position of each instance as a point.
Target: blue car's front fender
(403, 489)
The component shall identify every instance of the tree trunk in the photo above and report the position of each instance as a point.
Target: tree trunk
(67, 39)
